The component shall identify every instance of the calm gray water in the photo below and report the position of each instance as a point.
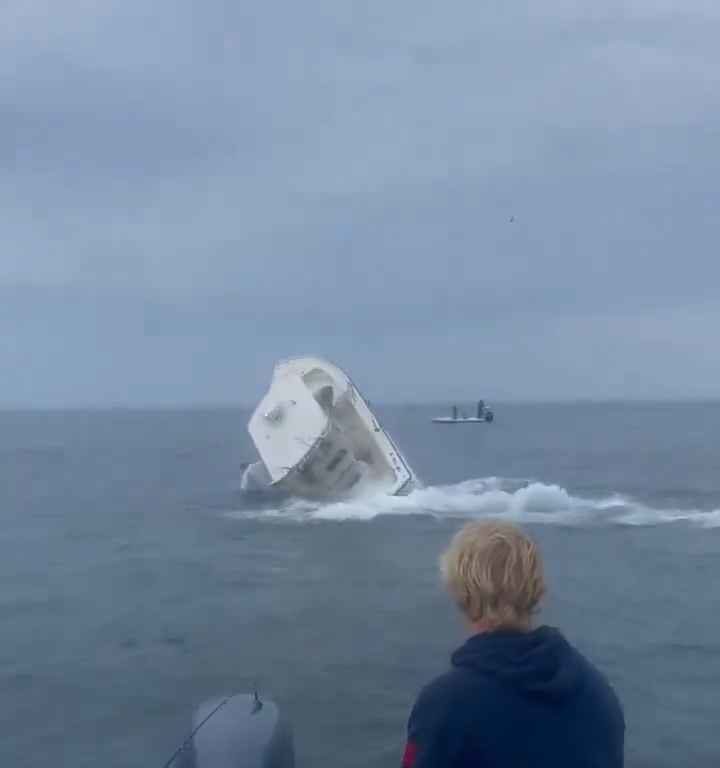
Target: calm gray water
(137, 580)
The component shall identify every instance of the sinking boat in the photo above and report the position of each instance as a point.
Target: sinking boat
(317, 437)
(483, 414)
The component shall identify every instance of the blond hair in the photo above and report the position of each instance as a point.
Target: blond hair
(494, 573)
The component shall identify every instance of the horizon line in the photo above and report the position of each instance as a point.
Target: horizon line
(237, 405)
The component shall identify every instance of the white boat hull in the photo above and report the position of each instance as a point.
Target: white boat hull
(317, 437)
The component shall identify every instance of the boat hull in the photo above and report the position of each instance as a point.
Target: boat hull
(317, 437)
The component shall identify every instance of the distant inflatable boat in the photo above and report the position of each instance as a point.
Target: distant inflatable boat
(483, 415)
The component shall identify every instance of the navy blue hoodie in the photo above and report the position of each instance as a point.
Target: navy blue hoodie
(516, 700)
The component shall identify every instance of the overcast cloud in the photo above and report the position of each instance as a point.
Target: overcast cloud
(190, 190)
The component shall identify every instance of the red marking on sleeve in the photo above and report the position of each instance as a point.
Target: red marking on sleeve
(410, 755)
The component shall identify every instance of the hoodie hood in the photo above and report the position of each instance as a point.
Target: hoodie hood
(540, 663)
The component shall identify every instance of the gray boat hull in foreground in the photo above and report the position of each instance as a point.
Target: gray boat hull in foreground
(239, 731)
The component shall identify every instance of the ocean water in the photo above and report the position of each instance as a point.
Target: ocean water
(137, 580)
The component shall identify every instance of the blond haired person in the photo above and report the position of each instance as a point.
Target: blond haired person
(517, 695)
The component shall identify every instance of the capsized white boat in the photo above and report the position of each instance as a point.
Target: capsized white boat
(484, 414)
(317, 437)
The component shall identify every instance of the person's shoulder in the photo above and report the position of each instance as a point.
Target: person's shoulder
(438, 706)
(448, 689)
(592, 672)
(438, 724)
(597, 684)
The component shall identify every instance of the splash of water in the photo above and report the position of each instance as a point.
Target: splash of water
(532, 502)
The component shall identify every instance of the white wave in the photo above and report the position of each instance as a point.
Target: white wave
(641, 515)
(532, 502)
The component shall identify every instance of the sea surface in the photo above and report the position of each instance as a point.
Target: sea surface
(137, 581)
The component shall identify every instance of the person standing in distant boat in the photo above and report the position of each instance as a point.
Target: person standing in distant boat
(516, 695)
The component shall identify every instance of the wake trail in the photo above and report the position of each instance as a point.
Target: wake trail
(517, 500)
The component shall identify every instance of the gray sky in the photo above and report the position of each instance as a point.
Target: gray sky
(190, 190)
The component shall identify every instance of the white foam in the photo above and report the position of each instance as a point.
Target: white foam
(640, 515)
(532, 502)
